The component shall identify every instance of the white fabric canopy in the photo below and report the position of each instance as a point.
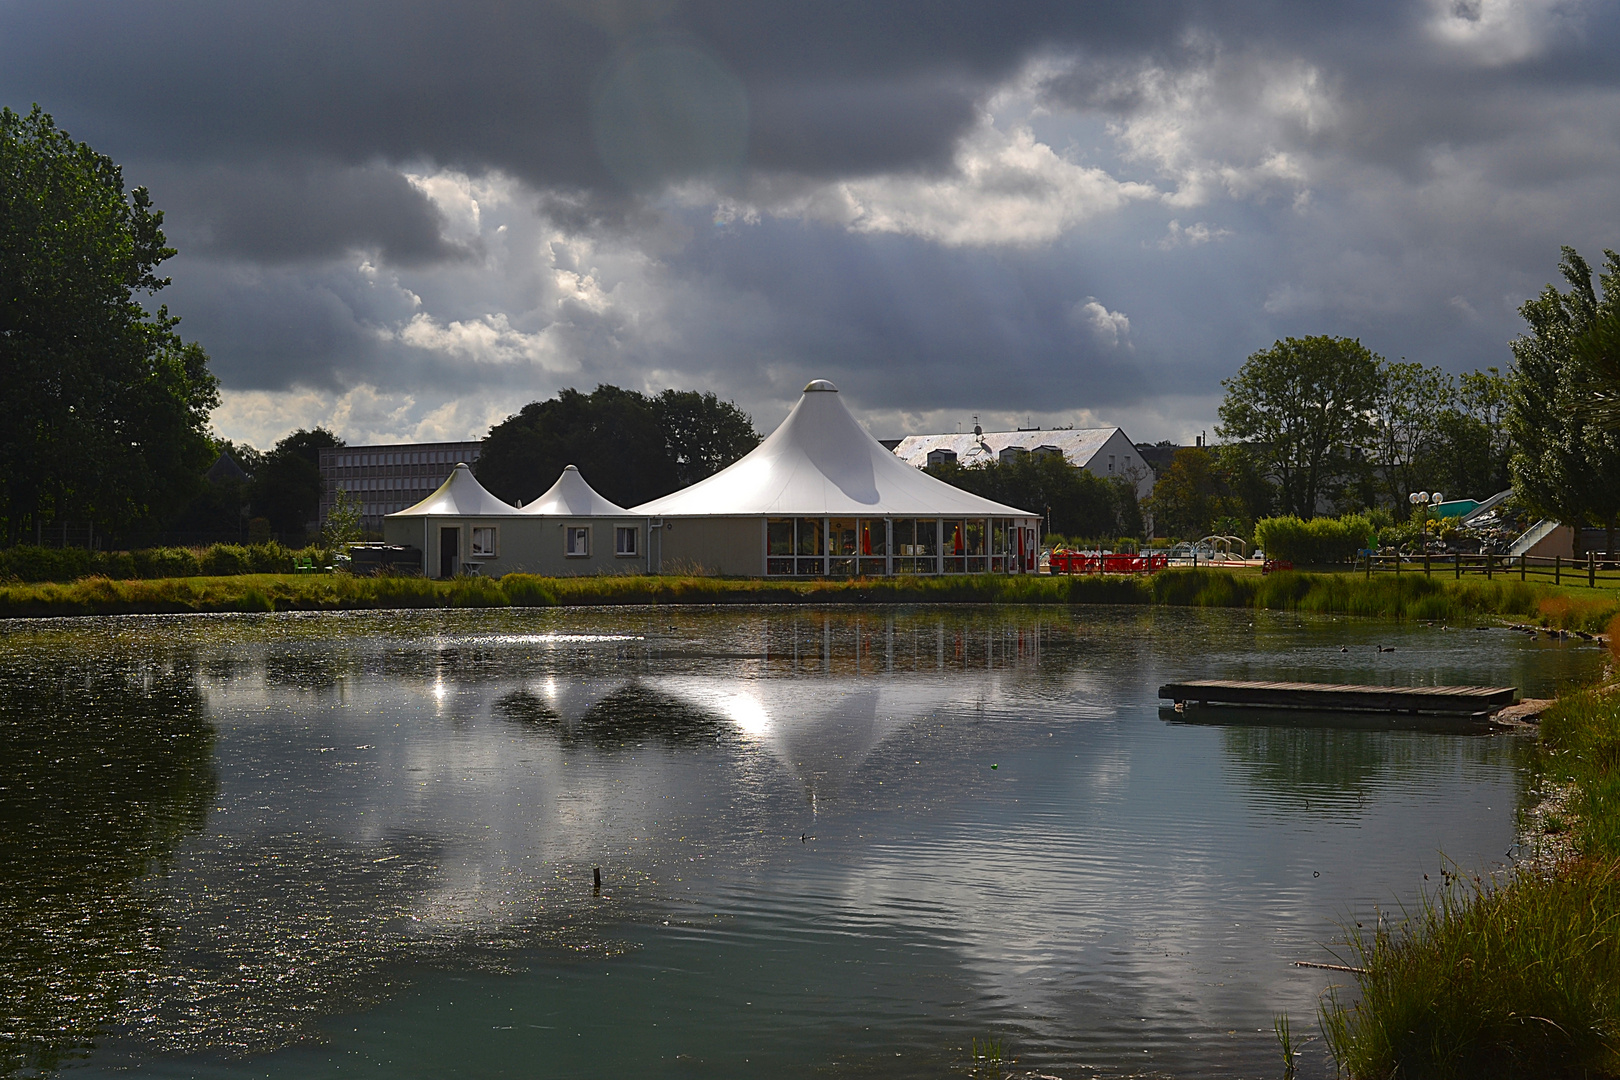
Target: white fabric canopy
(822, 462)
(461, 495)
(571, 496)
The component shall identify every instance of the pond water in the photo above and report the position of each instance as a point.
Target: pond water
(831, 842)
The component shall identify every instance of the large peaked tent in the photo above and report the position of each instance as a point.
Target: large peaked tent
(822, 462)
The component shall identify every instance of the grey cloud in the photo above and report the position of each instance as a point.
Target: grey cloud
(274, 212)
(853, 89)
(1439, 177)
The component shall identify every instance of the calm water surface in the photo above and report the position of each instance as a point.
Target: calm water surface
(832, 843)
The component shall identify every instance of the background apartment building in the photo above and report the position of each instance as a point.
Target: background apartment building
(386, 479)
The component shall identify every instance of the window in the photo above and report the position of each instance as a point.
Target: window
(483, 541)
(624, 540)
(577, 541)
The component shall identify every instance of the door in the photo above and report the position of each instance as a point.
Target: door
(449, 551)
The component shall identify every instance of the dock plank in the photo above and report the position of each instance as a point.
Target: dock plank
(1342, 696)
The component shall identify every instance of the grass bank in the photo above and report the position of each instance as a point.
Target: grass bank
(1410, 597)
(1513, 978)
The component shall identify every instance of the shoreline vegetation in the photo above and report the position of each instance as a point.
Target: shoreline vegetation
(1588, 612)
(1516, 975)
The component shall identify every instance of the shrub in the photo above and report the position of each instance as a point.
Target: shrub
(1318, 541)
(29, 563)
(223, 559)
(166, 562)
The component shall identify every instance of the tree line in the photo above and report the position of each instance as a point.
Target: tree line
(1323, 425)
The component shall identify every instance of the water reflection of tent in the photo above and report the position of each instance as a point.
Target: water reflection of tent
(823, 730)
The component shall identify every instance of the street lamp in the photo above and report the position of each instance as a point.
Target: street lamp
(1425, 500)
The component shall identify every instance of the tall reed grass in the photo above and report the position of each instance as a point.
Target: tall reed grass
(1411, 597)
(1513, 977)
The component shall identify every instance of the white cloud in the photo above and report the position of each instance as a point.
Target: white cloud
(365, 414)
(1110, 328)
(1006, 187)
(1498, 32)
(490, 339)
(1176, 235)
(1227, 124)
(462, 199)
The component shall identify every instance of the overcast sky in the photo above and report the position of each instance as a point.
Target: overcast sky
(407, 220)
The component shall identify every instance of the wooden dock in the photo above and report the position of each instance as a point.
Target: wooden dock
(1337, 697)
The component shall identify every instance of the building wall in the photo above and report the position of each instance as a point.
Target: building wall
(385, 479)
(1104, 451)
(718, 545)
(1119, 457)
(526, 545)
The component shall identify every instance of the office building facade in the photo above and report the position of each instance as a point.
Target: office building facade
(387, 479)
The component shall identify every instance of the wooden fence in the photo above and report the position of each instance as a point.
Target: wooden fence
(1594, 570)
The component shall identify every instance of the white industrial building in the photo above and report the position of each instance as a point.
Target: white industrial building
(819, 497)
(1107, 451)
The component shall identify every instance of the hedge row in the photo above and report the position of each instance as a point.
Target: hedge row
(32, 564)
(1319, 541)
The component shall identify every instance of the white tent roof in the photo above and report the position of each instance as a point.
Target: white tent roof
(461, 495)
(821, 461)
(571, 496)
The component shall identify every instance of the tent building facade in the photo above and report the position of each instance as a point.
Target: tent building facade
(819, 497)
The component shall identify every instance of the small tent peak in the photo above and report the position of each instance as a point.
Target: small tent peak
(824, 385)
(571, 496)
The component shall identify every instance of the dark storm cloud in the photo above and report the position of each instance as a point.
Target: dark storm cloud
(1416, 196)
(274, 213)
(846, 90)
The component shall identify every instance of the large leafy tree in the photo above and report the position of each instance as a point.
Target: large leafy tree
(1565, 464)
(286, 487)
(702, 433)
(1409, 407)
(103, 409)
(1304, 407)
(1598, 352)
(630, 447)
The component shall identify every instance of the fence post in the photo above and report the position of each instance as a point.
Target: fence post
(1456, 566)
(1558, 569)
(1425, 564)
(1490, 564)
(1397, 562)
(1524, 561)
(1591, 569)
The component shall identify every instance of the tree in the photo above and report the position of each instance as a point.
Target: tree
(1408, 406)
(1303, 406)
(1598, 352)
(1564, 466)
(702, 434)
(1081, 503)
(629, 447)
(1469, 452)
(103, 409)
(342, 525)
(286, 486)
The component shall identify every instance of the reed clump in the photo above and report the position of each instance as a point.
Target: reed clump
(1512, 977)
